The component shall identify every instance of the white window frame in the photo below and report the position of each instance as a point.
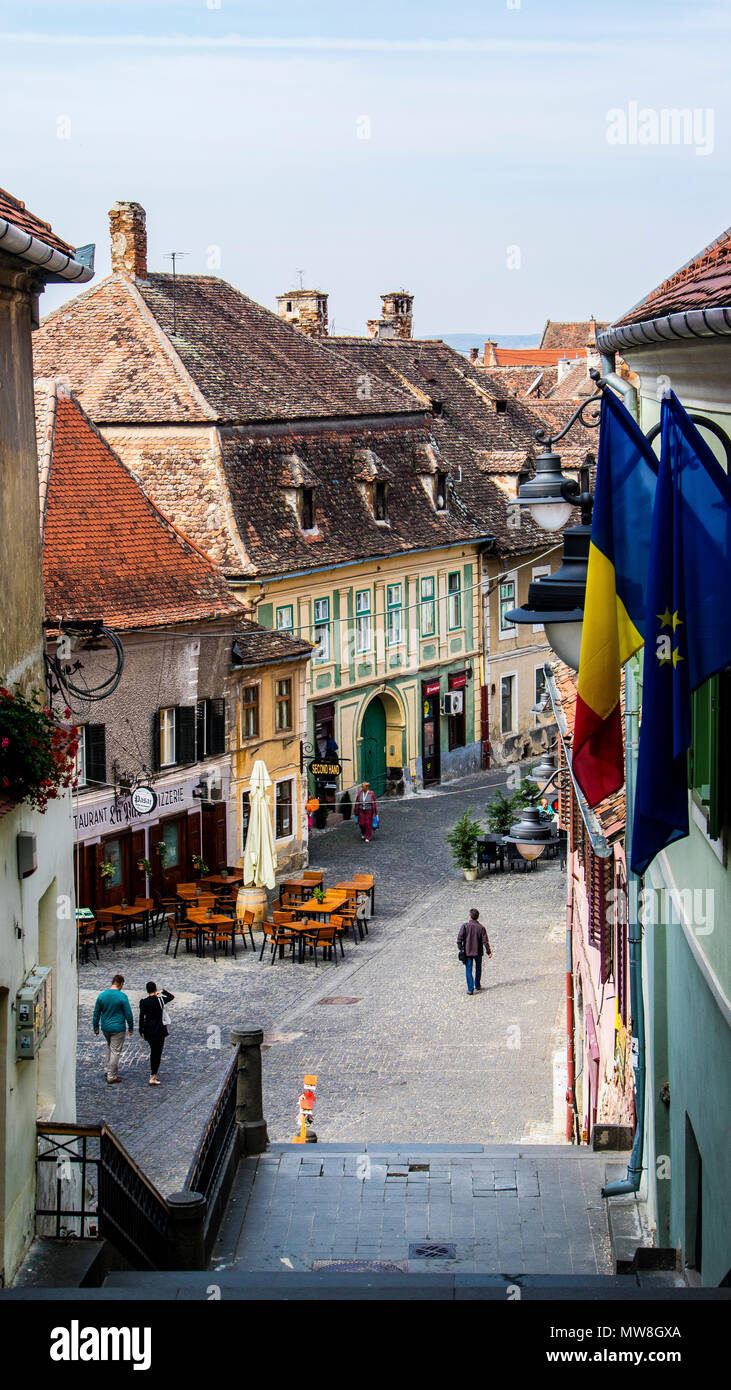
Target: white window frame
(509, 676)
(80, 772)
(452, 595)
(507, 630)
(539, 572)
(283, 781)
(394, 616)
(321, 654)
(285, 627)
(167, 734)
(363, 621)
(425, 604)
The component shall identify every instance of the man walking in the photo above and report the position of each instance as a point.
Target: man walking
(113, 1011)
(471, 940)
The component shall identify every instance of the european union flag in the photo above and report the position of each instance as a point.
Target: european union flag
(688, 624)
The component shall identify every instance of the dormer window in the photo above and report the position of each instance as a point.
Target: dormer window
(440, 492)
(380, 501)
(307, 509)
(437, 407)
(501, 407)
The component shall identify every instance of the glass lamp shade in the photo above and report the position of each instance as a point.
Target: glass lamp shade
(550, 515)
(565, 639)
(528, 850)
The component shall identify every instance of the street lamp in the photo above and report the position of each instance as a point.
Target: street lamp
(557, 600)
(530, 834)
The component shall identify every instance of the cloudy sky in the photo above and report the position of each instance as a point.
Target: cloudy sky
(470, 151)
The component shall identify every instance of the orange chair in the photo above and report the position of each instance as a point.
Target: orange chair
(274, 930)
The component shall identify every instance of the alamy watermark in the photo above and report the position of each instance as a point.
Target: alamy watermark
(663, 125)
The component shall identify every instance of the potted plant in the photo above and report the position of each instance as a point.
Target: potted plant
(144, 866)
(37, 753)
(500, 813)
(318, 894)
(162, 852)
(107, 870)
(224, 873)
(462, 840)
(200, 865)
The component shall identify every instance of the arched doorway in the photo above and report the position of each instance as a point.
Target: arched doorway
(374, 746)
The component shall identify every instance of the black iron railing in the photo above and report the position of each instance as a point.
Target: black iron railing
(133, 1215)
(212, 1169)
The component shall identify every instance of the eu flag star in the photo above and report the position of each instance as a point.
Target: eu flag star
(676, 656)
(677, 622)
(666, 618)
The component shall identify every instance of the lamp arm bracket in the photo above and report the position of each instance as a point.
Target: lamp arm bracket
(592, 422)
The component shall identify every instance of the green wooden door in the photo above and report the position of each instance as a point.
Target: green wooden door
(374, 747)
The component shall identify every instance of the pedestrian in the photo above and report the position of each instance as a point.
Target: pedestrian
(113, 1012)
(367, 811)
(471, 941)
(153, 1024)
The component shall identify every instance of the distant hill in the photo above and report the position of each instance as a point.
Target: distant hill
(462, 342)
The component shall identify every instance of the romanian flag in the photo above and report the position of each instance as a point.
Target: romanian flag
(616, 594)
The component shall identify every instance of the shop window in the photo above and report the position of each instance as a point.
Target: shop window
(428, 619)
(91, 756)
(283, 808)
(321, 653)
(250, 712)
(285, 618)
(454, 600)
(171, 840)
(507, 601)
(283, 705)
(394, 615)
(507, 704)
(112, 850)
(362, 621)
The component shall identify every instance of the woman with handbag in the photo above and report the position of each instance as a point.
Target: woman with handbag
(366, 811)
(154, 1020)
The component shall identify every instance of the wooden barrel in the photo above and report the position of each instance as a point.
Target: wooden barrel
(254, 900)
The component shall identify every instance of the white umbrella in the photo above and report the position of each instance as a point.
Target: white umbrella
(260, 859)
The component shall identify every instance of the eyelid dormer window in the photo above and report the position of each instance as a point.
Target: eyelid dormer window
(380, 501)
(307, 509)
(440, 492)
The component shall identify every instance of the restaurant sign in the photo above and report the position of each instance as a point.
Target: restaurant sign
(144, 800)
(325, 768)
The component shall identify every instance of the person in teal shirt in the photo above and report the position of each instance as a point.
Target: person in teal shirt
(113, 1012)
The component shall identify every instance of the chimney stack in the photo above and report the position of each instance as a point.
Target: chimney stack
(306, 309)
(396, 316)
(490, 353)
(129, 240)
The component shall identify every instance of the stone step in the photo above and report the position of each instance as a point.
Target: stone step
(534, 1152)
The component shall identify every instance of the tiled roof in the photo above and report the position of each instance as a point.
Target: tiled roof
(533, 357)
(574, 384)
(570, 335)
(258, 646)
(16, 212)
(228, 359)
(703, 283)
(531, 383)
(611, 812)
(107, 550)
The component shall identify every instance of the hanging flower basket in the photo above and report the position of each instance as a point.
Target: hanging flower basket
(37, 753)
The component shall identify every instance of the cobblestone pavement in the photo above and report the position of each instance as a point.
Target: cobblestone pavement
(414, 1058)
(499, 1209)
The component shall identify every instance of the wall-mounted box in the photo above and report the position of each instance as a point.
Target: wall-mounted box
(34, 1012)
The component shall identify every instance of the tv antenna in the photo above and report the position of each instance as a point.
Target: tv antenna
(301, 273)
(175, 256)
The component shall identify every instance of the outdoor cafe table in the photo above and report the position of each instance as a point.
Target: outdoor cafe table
(298, 887)
(203, 922)
(330, 904)
(138, 912)
(301, 930)
(224, 880)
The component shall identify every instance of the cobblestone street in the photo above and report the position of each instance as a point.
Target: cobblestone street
(403, 1053)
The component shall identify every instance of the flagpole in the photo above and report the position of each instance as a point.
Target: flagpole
(634, 934)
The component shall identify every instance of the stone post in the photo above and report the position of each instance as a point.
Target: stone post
(187, 1230)
(253, 1137)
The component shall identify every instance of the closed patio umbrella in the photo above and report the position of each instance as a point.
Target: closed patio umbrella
(260, 859)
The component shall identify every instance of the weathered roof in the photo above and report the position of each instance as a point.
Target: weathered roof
(13, 210)
(107, 550)
(531, 383)
(228, 359)
(704, 282)
(570, 335)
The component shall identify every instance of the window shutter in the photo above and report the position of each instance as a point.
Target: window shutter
(185, 734)
(95, 742)
(216, 717)
(155, 764)
(200, 729)
(599, 883)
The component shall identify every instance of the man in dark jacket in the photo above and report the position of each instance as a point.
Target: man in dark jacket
(152, 1026)
(472, 938)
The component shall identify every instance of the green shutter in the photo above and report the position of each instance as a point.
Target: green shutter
(96, 753)
(185, 734)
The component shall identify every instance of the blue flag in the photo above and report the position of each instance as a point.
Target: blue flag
(687, 627)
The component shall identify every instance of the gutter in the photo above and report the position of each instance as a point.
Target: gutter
(55, 264)
(275, 576)
(690, 323)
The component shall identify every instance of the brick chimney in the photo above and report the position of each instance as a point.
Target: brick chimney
(396, 316)
(306, 309)
(129, 240)
(490, 354)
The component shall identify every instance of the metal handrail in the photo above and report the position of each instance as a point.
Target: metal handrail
(213, 1144)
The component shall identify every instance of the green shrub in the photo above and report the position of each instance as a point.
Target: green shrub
(462, 840)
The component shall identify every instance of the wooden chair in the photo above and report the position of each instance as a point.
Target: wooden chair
(283, 938)
(218, 935)
(245, 924)
(368, 883)
(312, 876)
(87, 937)
(184, 931)
(325, 936)
(202, 902)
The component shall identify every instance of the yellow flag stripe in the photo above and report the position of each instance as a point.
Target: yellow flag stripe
(608, 639)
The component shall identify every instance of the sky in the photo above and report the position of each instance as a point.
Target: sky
(504, 161)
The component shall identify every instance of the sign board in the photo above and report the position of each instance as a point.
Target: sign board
(144, 800)
(433, 688)
(324, 768)
(457, 682)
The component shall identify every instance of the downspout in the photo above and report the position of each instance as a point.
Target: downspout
(571, 1127)
(618, 383)
(634, 932)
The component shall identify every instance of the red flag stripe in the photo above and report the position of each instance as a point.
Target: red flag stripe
(598, 752)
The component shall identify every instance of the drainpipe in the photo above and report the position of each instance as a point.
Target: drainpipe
(618, 383)
(634, 931)
(570, 1060)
